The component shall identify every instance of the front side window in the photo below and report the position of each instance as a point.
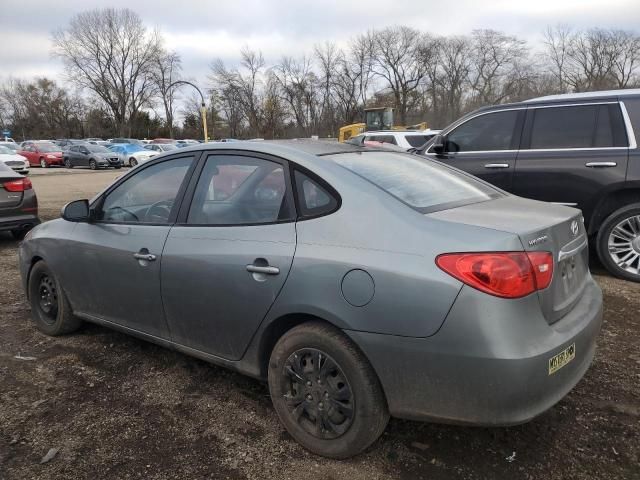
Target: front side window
(148, 196)
(423, 185)
(240, 190)
(417, 141)
(491, 131)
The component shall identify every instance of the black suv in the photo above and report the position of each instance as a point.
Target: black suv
(574, 149)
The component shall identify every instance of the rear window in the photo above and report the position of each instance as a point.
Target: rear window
(422, 184)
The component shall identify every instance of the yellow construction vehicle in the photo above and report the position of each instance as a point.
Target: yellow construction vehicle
(377, 118)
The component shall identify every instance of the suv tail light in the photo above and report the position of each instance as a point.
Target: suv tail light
(19, 185)
(503, 274)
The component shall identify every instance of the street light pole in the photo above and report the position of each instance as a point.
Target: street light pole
(203, 107)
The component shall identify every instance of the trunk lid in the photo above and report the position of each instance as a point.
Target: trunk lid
(541, 227)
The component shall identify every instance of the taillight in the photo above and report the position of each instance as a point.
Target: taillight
(19, 185)
(503, 274)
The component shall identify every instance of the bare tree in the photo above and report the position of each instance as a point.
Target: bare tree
(557, 41)
(166, 70)
(110, 53)
(398, 60)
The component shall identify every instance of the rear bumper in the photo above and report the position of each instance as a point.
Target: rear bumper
(489, 363)
(18, 222)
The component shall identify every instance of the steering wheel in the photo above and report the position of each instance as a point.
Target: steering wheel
(159, 211)
(119, 210)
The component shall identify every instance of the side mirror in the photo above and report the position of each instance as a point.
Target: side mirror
(437, 146)
(76, 211)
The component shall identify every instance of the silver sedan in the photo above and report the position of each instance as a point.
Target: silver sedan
(359, 283)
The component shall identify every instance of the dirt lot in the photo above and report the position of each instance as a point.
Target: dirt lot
(117, 407)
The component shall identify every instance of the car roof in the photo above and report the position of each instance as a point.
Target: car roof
(401, 132)
(621, 93)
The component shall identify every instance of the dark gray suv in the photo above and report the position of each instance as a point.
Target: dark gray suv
(575, 149)
(92, 156)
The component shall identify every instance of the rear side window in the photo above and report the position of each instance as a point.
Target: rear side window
(424, 185)
(313, 198)
(581, 126)
(491, 131)
(383, 139)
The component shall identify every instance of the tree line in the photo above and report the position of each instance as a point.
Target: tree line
(122, 80)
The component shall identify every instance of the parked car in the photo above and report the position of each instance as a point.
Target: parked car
(162, 140)
(380, 283)
(44, 154)
(126, 140)
(577, 149)
(13, 160)
(160, 147)
(132, 154)
(186, 143)
(18, 203)
(405, 139)
(92, 156)
(11, 145)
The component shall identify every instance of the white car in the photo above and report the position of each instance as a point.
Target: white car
(11, 159)
(11, 146)
(161, 147)
(404, 139)
(132, 155)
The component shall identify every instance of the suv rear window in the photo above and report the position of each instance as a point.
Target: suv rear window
(422, 184)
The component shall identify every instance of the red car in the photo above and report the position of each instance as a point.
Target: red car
(44, 154)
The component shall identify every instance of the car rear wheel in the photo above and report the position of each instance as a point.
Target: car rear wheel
(325, 392)
(67, 163)
(19, 233)
(43, 163)
(133, 162)
(93, 165)
(618, 243)
(50, 309)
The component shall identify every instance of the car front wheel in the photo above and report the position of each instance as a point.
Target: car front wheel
(618, 243)
(325, 392)
(133, 162)
(93, 165)
(50, 308)
(67, 163)
(43, 163)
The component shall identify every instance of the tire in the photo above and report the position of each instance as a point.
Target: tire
(50, 309)
(19, 233)
(348, 376)
(133, 162)
(118, 167)
(93, 165)
(626, 224)
(43, 163)
(67, 163)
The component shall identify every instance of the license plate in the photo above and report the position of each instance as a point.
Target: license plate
(561, 359)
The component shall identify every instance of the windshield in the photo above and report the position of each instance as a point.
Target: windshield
(422, 184)
(167, 146)
(11, 146)
(97, 148)
(5, 151)
(47, 147)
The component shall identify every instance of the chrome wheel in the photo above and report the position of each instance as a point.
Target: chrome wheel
(317, 394)
(624, 244)
(43, 163)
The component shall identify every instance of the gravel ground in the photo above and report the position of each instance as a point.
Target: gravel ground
(110, 406)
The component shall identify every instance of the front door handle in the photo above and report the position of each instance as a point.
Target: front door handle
(267, 270)
(601, 164)
(496, 165)
(149, 257)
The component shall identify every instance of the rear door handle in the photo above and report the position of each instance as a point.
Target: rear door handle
(600, 164)
(496, 165)
(149, 257)
(268, 270)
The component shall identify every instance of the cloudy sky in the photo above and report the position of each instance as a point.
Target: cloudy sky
(201, 30)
